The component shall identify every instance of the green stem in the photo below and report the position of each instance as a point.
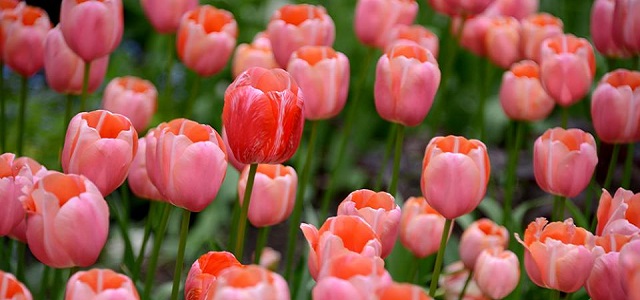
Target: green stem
(167, 96)
(263, 236)
(195, 86)
(3, 134)
(387, 152)
(67, 117)
(234, 222)
(396, 160)
(565, 117)
(413, 269)
(512, 179)
(558, 208)
(242, 221)
(58, 284)
(612, 166)
(567, 296)
(439, 259)
(177, 274)
(44, 282)
(628, 166)
(21, 252)
(21, 116)
(466, 285)
(128, 256)
(85, 85)
(145, 240)
(4, 263)
(294, 221)
(484, 91)
(72, 271)
(555, 294)
(157, 243)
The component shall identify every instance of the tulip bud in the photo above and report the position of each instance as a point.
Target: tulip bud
(12, 288)
(138, 177)
(615, 107)
(24, 44)
(165, 15)
(132, 97)
(204, 271)
(97, 284)
(502, 41)
(497, 272)
(518, 9)
(481, 235)
(374, 19)
(602, 30)
(273, 196)
(414, 33)
(256, 54)
(534, 30)
(351, 276)
(421, 227)
(626, 25)
(248, 283)
(521, 94)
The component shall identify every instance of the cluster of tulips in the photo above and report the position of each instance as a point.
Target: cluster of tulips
(289, 74)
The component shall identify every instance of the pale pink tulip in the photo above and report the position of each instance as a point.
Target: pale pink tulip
(626, 25)
(248, 283)
(629, 261)
(421, 227)
(138, 178)
(615, 107)
(502, 41)
(534, 30)
(374, 19)
(351, 276)
(518, 9)
(256, 54)
(497, 272)
(453, 280)
(273, 195)
(414, 33)
(521, 94)
(24, 44)
(605, 279)
(100, 284)
(481, 235)
(165, 15)
(132, 97)
(602, 30)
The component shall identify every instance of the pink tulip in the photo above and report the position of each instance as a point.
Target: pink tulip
(230, 157)
(204, 271)
(165, 15)
(502, 41)
(626, 25)
(101, 146)
(67, 221)
(615, 107)
(481, 235)
(619, 214)
(323, 74)
(206, 39)
(294, 26)
(405, 291)
(629, 261)
(414, 33)
(444, 7)
(420, 227)
(474, 33)
(248, 283)
(24, 45)
(518, 9)
(12, 289)
(256, 54)
(470, 7)
(351, 276)
(534, 30)
(187, 162)
(605, 278)
(100, 284)
(64, 69)
(407, 78)
(602, 30)
(521, 94)
(9, 10)
(92, 28)
(270, 258)
(273, 196)
(497, 272)
(132, 97)
(564, 161)
(374, 19)
(138, 178)
(453, 280)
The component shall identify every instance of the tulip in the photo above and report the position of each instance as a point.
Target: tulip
(444, 7)
(469, 7)
(453, 281)
(132, 97)
(455, 174)
(377, 209)
(230, 157)
(187, 162)
(374, 19)
(248, 283)
(615, 107)
(626, 25)
(24, 45)
(414, 33)
(564, 161)
(521, 94)
(502, 41)
(567, 67)
(263, 116)
(534, 30)
(323, 74)
(206, 39)
(101, 146)
(420, 227)
(9, 10)
(273, 195)
(270, 258)
(65, 70)
(351, 276)
(629, 261)
(518, 9)
(605, 281)
(497, 272)
(67, 220)
(92, 28)
(558, 254)
(294, 26)
(407, 78)
(165, 15)
(481, 235)
(98, 284)
(256, 54)
(12, 289)
(474, 33)
(339, 235)
(204, 272)
(602, 30)
(138, 177)
(618, 214)
(402, 291)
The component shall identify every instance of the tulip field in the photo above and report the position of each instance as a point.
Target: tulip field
(352, 149)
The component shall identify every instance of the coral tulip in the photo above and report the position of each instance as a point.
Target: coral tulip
(263, 116)
(256, 54)
(629, 261)
(24, 44)
(351, 276)
(453, 281)
(502, 41)
(12, 289)
(165, 15)
(206, 39)
(402, 291)
(187, 162)
(98, 284)
(626, 25)
(407, 78)
(564, 161)
(474, 33)
(534, 30)
(9, 10)
(455, 174)
(602, 30)
(204, 272)
(522, 96)
(420, 227)
(67, 220)
(497, 272)
(414, 33)
(138, 177)
(132, 97)
(374, 19)
(101, 146)
(323, 74)
(618, 214)
(294, 26)
(481, 235)
(615, 107)
(605, 280)
(518, 9)
(248, 283)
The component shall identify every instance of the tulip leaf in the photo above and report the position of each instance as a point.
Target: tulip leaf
(578, 217)
(491, 208)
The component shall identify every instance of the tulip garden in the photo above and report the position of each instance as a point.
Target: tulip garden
(370, 149)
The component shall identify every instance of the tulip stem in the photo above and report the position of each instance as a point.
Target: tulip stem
(177, 274)
(234, 222)
(85, 85)
(628, 166)
(21, 116)
(565, 117)
(145, 240)
(157, 243)
(20, 252)
(612, 166)
(67, 117)
(512, 178)
(555, 294)
(44, 282)
(168, 93)
(439, 259)
(396, 160)
(466, 285)
(128, 255)
(387, 152)
(558, 208)
(3, 141)
(263, 236)
(195, 86)
(242, 221)
(413, 270)
(483, 92)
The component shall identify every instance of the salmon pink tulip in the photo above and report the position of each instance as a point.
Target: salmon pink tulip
(98, 284)
(615, 107)
(502, 41)
(522, 96)
(469, 7)
(165, 15)
(497, 272)
(518, 9)
(602, 30)
(138, 177)
(618, 214)
(351, 276)
(132, 97)
(24, 44)
(256, 54)
(263, 116)
(9, 10)
(420, 227)
(248, 283)
(444, 7)
(414, 33)
(481, 235)
(626, 25)
(374, 19)
(204, 272)
(605, 279)
(453, 280)
(474, 33)
(629, 261)
(12, 289)
(402, 291)
(534, 30)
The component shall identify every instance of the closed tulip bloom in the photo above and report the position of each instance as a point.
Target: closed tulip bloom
(67, 221)
(453, 279)
(230, 157)
(497, 272)
(248, 283)
(615, 107)
(99, 284)
(132, 97)
(187, 162)
(165, 15)
(204, 272)
(518, 9)
(294, 26)
(420, 227)
(263, 116)
(567, 67)
(101, 146)
(474, 33)
(379, 210)
(407, 78)
(9, 10)
(629, 261)
(402, 291)
(534, 30)
(605, 280)
(564, 161)
(374, 19)
(256, 54)
(481, 235)
(206, 39)
(414, 33)
(455, 174)
(323, 75)
(502, 40)
(12, 289)
(351, 276)
(626, 25)
(602, 30)
(138, 177)
(273, 196)
(557, 255)
(444, 7)
(339, 235)
(470, 7)
(618, 214)
(24, 44)
(522, 96)
(64, 69)
(92, 28)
